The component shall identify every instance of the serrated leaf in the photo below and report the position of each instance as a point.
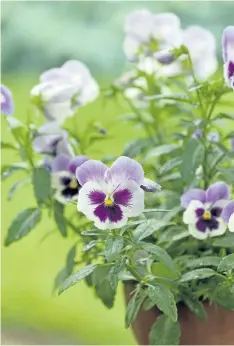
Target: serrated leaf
(160, 254)
(113, 246)
(165, 332)
(164, 299)
(7, 170)
(160, 270)
(42, 184)
(227, 263)
(195, 306)
(81, 274)
(224, 295)
(103, 288)
(114, 272)
(170, 164)
(161, 150)
(24, 222)
(191, 159)
(226, 241)
(133, 307)
(197, 274)
(90, 245)
(173, 234)
(58, 210)
(146, 229)
(16, 186)
(203, 262)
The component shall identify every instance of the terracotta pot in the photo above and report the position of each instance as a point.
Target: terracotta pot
(218, 329)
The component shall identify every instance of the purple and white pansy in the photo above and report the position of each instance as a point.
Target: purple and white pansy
(109, 196)
(228, 55)
(51, 140)
(7, 105)
(62, 90)
(204, 209)
(228, 215)
(64, 181)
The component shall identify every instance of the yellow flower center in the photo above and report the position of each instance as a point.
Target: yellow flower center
(108, 202)
(73, 185)
(206, 215)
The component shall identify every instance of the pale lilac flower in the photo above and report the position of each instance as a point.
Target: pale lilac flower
(63, 177)
(228, 55)
(201, 44)
(228, 215)
(7, 105)
(143, 27)
(232, 143)
(62, 90)
(213, 136)
(52, 140)
(109, 196)
(197, 134)
(204, 209)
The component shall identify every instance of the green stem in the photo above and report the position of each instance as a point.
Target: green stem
(134, 272)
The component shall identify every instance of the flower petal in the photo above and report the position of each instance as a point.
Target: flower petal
(60, 163)
(196, 233)
(7, 105)
(166, 29)
(76, 162)
(222, 227)
(131, 47)
(228, 211)
(91, 170)
(231, 223)
(124, 169)
(194, 210)
(139, 24)
(150, 186)
(192, 194)
(58, 112)
(228, 43)
(218, 191)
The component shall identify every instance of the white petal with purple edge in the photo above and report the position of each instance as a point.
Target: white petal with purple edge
(231, 223)
(150, 186)
(217, 191)
(192, 194)
(125, 168)
(92, 170)
(220, 230)
(190, 216)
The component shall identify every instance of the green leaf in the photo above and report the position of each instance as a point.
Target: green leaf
(173, 234)
(103, 288)
(226, 241)
(160, 270)
(165, 332)
(113, 247)
(81, 274)
(227, 173)
(203, 262)
(42, 184)
(133, 307)
(7, 170)
(60, 278)
(224, 295)
(90, 245)
(195, 306)
(147, 228)
(160, 254)
(58, 210)
(5, 145)
(227, 263)
(161, 150)
(16, 186)
(114, 272)
(164, 299)
(191, 159)
(169, 165)
(71, 259)
(197, 274)
(24, 222)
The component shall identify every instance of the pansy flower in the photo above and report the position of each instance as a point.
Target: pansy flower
(228, 215)
(62, 90)
(228, 55)
(64, 180)
(7, 105)
(204, 209)
(51, 140)
(109, 196)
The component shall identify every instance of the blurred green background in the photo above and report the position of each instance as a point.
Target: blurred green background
(37, 35)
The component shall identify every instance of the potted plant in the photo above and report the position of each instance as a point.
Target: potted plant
(171, 244)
